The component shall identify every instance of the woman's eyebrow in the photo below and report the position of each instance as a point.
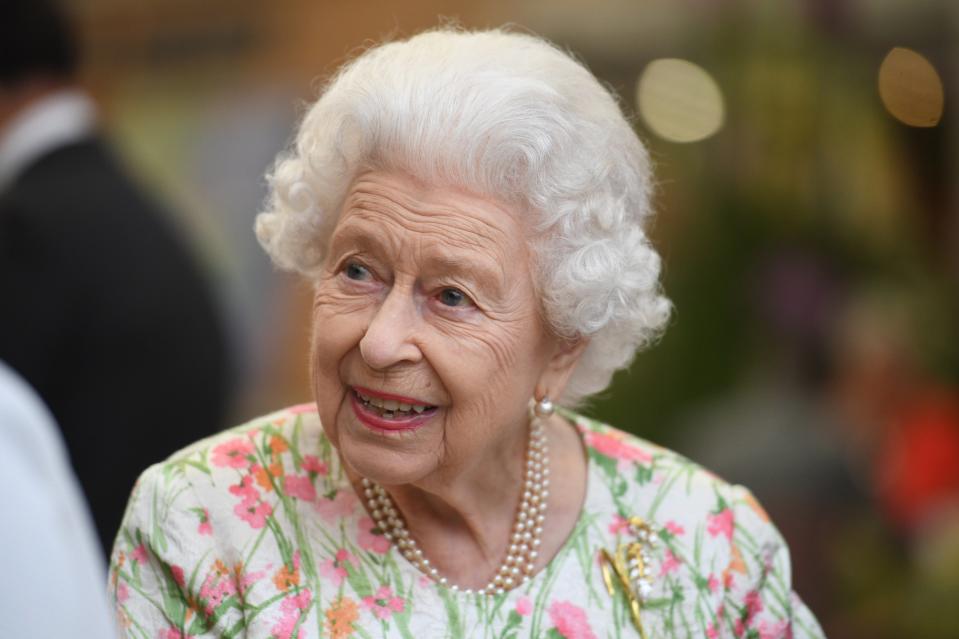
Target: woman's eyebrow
(485, 272)
(348, 236)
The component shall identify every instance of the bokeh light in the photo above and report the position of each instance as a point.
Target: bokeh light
(910, 88)
(679, 101)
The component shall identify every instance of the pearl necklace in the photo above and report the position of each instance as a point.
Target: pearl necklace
(525, 540)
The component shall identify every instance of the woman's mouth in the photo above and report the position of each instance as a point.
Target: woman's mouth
(382, 411)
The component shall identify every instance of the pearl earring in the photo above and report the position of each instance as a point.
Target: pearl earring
(544, 407)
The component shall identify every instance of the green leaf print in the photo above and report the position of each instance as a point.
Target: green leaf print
(199, 625)
(511, 629)
(454, 624)
(202, 467)
(619, 489)
(173, 606)
(608, 464)
(644, 473)
(156, 533)
(358, 581)
(294, 443)
(402, 619)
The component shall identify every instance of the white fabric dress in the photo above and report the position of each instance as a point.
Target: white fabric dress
(257, 533)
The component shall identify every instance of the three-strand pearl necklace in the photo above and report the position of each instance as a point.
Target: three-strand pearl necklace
(525, 540)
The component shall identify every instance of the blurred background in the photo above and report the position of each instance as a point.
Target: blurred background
(807, 158)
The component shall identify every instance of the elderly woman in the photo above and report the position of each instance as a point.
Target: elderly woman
(470, 208)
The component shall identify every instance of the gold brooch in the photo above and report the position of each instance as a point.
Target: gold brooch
(631, 565)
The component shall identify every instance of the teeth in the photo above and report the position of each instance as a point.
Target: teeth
(391, 408)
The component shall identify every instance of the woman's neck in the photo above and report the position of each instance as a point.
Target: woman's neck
(462, 519)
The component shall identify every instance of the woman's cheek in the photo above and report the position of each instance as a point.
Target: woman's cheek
(328, 349)
(331, 299)
(335, 332)
(493, 347)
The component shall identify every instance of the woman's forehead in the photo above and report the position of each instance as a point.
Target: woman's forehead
(397, 208)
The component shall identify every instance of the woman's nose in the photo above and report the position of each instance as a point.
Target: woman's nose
(389, 339)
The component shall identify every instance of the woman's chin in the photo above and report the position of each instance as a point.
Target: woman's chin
(386, 458)
(385, 469)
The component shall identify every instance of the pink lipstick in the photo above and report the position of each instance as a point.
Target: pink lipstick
(388, 412)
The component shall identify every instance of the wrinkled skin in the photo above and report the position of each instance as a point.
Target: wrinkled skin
(428, 293)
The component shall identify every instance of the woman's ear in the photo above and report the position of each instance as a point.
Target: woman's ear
(562, 363)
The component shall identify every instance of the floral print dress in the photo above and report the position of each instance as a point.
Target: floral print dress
(256, 532)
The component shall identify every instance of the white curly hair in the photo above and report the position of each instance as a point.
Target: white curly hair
(501, 114)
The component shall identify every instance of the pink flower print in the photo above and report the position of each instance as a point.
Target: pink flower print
(245, 489)
(721, 523)
(233, 453)
(674, 528)
(292, 608)
(218, 585)
(712, 583)
(123, 593)
(739, 628)
(612, 445)
(285, 627)
(383, 604)
(247, 580)
(299, 487)
(177, 573)
(570, 621)
(524, 606)
(670, 563)
(619, 524)
(754, 604)
(370, 537)
(299, 409)
(312, 464)
(339, 506)
(205, 528)
(213, 591)
(778, 630)
(728, 580)
(711, 632)
(139, 554)
(298, 602)
(173, 633)
(253, 513)
(335, 569)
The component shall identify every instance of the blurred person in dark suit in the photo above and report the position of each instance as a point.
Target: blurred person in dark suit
(105, 311)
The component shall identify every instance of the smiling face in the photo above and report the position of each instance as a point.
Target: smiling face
(427, 338)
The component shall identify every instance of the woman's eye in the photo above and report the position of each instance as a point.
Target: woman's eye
(453, 297)
(356, 271)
